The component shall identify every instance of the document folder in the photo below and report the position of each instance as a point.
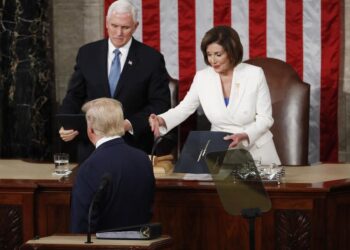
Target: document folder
(197, 145)
(139, 232)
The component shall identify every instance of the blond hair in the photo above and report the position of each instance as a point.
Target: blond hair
(105, 116)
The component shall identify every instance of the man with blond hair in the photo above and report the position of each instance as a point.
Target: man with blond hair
(129, 197)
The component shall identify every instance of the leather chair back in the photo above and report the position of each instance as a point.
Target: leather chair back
(290, 98)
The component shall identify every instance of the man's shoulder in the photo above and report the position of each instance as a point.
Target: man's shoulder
(94, 44)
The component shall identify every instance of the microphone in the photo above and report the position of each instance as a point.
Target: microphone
(155, 144)
(101, 190)
(169, 136)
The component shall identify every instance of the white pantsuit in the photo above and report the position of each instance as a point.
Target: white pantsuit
(249, 110)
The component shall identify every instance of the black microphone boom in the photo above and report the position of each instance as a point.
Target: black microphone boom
(105, 182)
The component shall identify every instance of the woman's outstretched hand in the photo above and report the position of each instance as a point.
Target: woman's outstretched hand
(155, 122)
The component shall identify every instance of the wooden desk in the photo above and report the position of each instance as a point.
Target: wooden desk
(311, 210)
(77, 242)
(31, 207)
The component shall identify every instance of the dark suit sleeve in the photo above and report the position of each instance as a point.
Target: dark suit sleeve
(158, 97)
(76, 93)
(82, 195)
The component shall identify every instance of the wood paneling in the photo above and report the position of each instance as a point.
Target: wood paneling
(16, 214)
(303, 216)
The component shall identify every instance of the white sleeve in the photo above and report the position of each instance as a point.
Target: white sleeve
(183, 110)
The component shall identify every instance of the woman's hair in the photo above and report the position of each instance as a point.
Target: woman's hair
(228, 38)
(122, 6)
(105, 116)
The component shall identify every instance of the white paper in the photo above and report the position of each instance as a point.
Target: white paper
(198, 177)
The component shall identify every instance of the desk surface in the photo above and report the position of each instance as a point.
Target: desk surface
(76, 241)
(25, 170)
(22, 170)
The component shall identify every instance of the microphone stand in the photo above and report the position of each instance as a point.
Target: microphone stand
(250, 214)
(106, 179)
(88, 236)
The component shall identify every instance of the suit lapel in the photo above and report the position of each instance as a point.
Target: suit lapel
(237, 89)
(102, 63)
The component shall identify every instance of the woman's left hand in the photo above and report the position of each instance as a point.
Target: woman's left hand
(236, 139)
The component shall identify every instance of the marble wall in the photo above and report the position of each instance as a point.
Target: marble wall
(26, 79)
(74, 24)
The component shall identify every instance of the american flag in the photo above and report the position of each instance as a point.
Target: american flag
(304, 33)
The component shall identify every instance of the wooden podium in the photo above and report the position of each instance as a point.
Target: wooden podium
(77, 242)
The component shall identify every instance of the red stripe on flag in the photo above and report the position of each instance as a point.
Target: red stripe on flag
(330, 61)
(151, 23)
(187, 44)
(187, 56)
(107, 3)
(294, 35)
(257, 28)
(222, 12)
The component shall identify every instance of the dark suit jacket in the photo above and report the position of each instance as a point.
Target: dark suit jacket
(128, 200)
(142, 87)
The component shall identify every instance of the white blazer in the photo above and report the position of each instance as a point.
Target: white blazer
(249, 109)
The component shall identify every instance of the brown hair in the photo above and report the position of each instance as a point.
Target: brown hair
(228, 38)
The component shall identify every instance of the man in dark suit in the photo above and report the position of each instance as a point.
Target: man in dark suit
(142, 87)
(128, 198)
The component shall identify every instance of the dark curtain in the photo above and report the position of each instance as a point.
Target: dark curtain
(26, 79)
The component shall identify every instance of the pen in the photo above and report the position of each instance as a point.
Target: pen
(205, 149)
(200, 155)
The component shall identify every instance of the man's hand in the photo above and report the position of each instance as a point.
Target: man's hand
(67, 135)
(127, 125)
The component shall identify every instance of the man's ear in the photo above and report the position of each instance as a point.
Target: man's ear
(90, 130)
(91, 134)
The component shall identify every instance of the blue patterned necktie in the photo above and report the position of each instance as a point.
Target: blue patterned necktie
(114, 72)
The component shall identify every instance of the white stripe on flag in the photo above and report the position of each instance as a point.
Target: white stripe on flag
(138, 33)
(204, 22)
(169, 36)
(312, 75)
(276, 30)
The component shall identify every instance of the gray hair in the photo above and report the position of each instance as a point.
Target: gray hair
(122, 6)
(105, 116)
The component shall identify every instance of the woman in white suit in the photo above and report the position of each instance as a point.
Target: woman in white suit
(234, 96)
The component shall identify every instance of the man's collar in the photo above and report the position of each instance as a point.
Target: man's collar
(105, 139)
(123, 50)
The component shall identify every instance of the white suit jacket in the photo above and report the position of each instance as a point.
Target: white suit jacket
(249, 109)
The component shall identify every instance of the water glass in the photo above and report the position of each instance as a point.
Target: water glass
(257, 162)
(61, 161)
